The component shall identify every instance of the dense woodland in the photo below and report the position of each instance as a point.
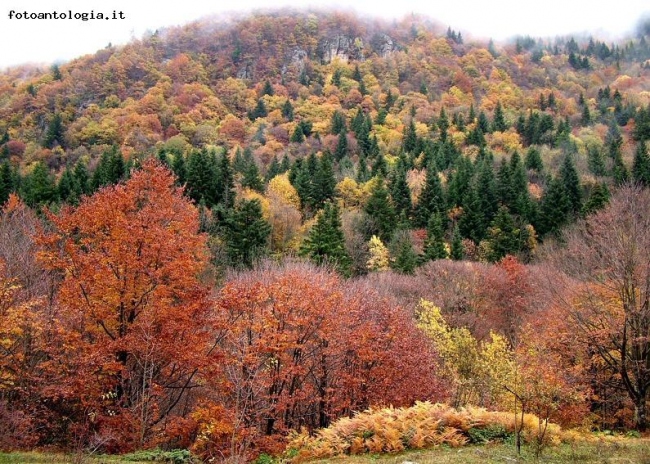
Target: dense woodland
(228, 231)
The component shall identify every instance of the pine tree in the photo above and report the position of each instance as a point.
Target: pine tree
(487, 190)
(460, 180)
(178, 166)
(287, 110)
(641, 166)
(67, 188)
(499, 121)
(457, 248)
(380, 168)
(246, 233)
(596, 162)
(39, 187)
(533, 160)
(598, 199)
(472, 223)
(200, 177)
(324, 182)
(432, 197)
(6, 182)
(341, 147)
(380, 210)
(400, 191)
(260, 111)
(434, 245)
(571, 181)
(406, 260)
(504, 237)
(363, 175)
(410, 140)
(252, 178)
(338, 123)
(519, 179)
(555, 208)
(54, 134)
(225, 180)
(273, 170)
(268, 89)
(326, 242)
(81, 177)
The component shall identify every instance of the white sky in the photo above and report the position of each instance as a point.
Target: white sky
(56, 40)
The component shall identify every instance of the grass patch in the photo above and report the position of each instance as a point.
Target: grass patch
(139, 457)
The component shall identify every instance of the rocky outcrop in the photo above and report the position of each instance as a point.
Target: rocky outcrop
(383, 45)
(343, 47)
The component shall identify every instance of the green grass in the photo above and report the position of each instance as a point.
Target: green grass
(139, 457)
(618, 451)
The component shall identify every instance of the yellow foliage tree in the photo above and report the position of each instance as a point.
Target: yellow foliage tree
(379, 256)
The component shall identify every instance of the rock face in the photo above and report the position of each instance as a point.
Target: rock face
(385, 45)
(343, 47)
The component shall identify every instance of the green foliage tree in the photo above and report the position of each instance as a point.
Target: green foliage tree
(406, 260)
(39, 187)
(382, 213)
(555, 208)
(641, 166)
(54, 133)
(326, 242)
(457, 248)
(434, 245)
(499, 120)
(247, 233)
(571, 181)
(432, 198)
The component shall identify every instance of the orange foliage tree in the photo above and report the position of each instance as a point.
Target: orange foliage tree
(131, 308)
(303, 348)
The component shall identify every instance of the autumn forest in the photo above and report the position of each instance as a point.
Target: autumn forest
(234, 237)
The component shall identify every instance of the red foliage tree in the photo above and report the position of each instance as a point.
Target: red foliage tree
(131, 309)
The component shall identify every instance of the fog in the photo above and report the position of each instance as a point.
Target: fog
(52, 40)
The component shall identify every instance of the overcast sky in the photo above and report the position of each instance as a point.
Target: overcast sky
(46, 41)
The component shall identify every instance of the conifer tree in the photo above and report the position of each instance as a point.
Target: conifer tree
(457, 248)
(326, 242)
(200, 177)
(338, 123)
(287, 110)
(641, 166)
(67, 188)
(247, 233)
(324, 182)
(39, 187)
(499, 121)
(503, 236)
(54, 134)
(487, 190)
(596, 162)
(406, 260)
(555, 208)
(472, 223)
(179, 168)
(571, 181)
(363, 175)
(6, 182)
(432, 197)
(342, 147)
(252, 178)
(380, 168)
(410, 140)
(225, 180)
(380, 210)
(434, 245)
(598, 199)
(400, 191)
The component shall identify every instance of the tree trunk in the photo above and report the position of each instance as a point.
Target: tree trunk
(640, 414)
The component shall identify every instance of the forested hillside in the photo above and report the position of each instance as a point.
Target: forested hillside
(226, 231)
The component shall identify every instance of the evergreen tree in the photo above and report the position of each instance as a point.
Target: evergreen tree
(571, 181)
(260, 111)
(457, 248)
(54, 133)
(641, 166)
(380, 210)
(363, 175)
(225, 180)
(268, 89)
(341, 147)
(39, 187)
(519, 180)
(400, 191)
(110, 170)
(273, 170)
(443, 124)
(555, 208)
(298, 135)
(287, 110)
(380, 168)
(499, 121)
(81, 178)
(460, 180)
(178, 166)
(482, 123)
(432, 197)
(596, 162)
(487, 190)
(504, 237)
(324, 182)
(252, 178)
(472, 223)
(406, 260)
(598, 199)
(6, 182)
(326, 242)
(200, 177)
(246, 233)
(67, 188)
(434, 245)
(338, 123)
(410, 140)
(533, 160)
